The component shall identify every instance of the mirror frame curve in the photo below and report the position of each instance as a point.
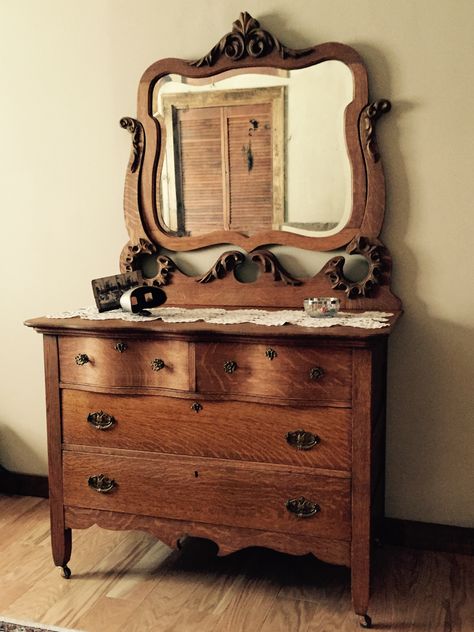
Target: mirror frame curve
(249, 46)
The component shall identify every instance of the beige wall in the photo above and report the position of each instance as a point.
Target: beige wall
(69, 72)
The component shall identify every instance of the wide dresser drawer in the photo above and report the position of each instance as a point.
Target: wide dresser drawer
(210, 491)
(279, 371)
(124, 362)
(314, 437)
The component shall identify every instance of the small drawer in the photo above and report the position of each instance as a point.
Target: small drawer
(277, 371)
(208, 490)
(313, 437)
(124, 362)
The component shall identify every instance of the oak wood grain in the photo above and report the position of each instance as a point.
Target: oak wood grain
(198, 489)
(108, 367)
(222, 429)
(288, 375)
(361, 479)
(60, 535)
(228, 539)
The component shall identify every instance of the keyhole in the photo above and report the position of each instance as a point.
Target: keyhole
(196, 473)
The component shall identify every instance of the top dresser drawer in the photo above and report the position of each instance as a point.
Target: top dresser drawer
(124, 362)
(281, 371)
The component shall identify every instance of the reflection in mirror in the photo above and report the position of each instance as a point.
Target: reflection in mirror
(254, 150)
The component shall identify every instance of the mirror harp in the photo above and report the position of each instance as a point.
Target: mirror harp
(248, 47)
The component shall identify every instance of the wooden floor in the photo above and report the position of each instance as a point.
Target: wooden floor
(130, 582)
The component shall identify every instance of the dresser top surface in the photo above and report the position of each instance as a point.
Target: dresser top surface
(197, 330)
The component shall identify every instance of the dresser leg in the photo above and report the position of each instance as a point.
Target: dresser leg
(61, 542)
(360, 583)
(365, 621)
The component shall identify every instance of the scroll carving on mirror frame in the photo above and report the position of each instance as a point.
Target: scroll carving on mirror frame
(247, 39)
(377, 259)
(269, 264)
(136, 130)
(371, 114)
(227, 262)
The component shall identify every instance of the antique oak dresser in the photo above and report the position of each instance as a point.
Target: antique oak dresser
(249, 435)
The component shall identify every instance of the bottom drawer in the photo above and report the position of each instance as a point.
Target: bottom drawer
(212, 491)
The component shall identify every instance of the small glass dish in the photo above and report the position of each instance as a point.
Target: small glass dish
(321, 307)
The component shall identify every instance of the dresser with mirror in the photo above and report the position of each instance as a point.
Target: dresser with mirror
(246, 434)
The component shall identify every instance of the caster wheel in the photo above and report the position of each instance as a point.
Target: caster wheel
(66, 572)
(365, 621)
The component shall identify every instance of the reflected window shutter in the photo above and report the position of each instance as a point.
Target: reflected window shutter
(200, 199)
(250, 166)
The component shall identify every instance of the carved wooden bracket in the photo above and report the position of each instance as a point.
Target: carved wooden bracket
(135, 128)
(269, 263)
(225, 263)
(378, 262)
(371, 114)
(247, 39)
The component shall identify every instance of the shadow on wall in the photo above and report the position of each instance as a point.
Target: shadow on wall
(430, 433)
(8, 437)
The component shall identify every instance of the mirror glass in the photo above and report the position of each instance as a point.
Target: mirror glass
(255, 150)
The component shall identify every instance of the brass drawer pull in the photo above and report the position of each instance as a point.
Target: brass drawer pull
(101, 420)
(196, 407)
(101, 483)
(316, 373)
(81, 358)
(302, 440)
(270, 353)
(157, 364)
(121, 347)
(230, 366)
(302, 508)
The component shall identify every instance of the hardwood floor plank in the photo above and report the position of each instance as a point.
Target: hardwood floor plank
(289, 615)
(106, 615)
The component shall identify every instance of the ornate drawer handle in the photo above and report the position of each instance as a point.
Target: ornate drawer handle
(302, 440)
(270, 353)
(81, 358)
(230, 366)
(157, 364)
(121, 347)
(196, 407)
(316, 373)
(302, 507)
(101, 420)
(101, 483)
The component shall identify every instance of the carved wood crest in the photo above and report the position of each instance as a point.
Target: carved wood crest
(247, 39)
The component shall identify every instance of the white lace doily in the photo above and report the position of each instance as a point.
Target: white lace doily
(217, 316)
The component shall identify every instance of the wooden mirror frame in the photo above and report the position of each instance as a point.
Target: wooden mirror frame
(250, 46)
